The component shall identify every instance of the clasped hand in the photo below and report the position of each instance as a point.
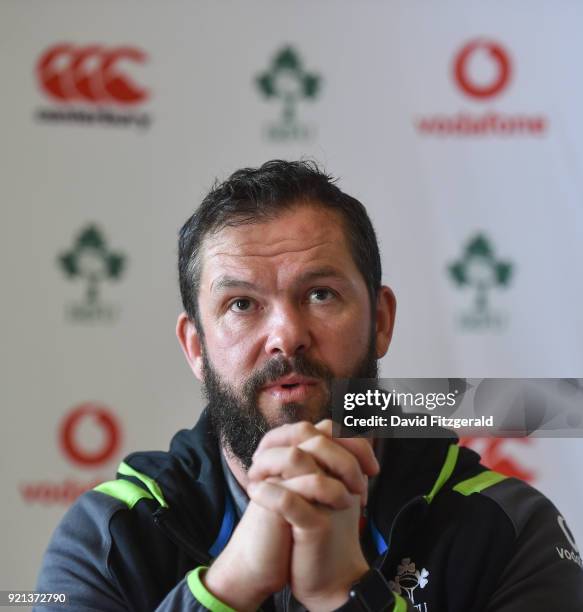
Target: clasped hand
(301, 527)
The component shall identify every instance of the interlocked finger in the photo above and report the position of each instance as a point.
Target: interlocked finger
(297, 433)
(321, 489)
(284, 462)
(337, 461)
(361, 448)
(292, 507)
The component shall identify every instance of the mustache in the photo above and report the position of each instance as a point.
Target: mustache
(281, 366)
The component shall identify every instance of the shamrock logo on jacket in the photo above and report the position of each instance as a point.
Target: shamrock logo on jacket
(408, 578)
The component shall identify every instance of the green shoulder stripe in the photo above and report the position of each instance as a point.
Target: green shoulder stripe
(124, 490)
(150, 483)
(479, 483)
(446, 471)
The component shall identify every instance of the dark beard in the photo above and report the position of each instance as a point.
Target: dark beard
(237, 419)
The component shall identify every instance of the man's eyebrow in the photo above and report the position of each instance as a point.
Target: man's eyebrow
(229, 282)
(324, 271)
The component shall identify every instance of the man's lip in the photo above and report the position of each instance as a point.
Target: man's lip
(292, 379)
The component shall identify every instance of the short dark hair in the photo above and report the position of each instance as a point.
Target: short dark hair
(255, 195)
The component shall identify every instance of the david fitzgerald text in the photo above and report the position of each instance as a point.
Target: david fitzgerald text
(433, 420)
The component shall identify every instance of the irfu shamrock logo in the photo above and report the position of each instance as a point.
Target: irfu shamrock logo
(409, 578)
(91, 260)
(287, 80)
(479, 269)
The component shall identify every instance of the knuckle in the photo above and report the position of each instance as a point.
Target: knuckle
(295, 455)
(268, 435)
(286, 502)
(256, 491)
(353, 466)
(304, 429)
(337, 492)
(367, 449)
(258, 468)
(264, 442)
(319, 481)
(320, 442)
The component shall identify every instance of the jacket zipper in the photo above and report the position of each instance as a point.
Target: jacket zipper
(407, 506)
(161, 520)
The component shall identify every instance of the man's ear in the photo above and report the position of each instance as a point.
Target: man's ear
(385, 319)
(190, 343)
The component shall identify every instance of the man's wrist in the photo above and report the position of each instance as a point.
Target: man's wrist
(202, 594)
(336, 599)
(371, 593)
(235, 593)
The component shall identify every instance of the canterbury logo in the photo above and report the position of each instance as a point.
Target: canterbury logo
(90, 74)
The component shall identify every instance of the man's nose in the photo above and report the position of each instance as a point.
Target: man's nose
(288, 332)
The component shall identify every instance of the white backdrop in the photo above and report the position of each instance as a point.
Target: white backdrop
(105, 151)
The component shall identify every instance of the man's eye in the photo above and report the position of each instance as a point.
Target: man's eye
(320, 295)
(241, 305)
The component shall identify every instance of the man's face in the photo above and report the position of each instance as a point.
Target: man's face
(284, 310)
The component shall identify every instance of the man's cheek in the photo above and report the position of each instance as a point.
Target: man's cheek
(225, 337)
(347, 354)
(230, 359)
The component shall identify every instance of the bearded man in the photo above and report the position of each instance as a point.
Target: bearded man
(259, 506)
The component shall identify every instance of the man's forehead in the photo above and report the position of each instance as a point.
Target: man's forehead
(288, 248)
(302, 230)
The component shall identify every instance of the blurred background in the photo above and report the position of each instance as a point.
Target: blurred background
(457, 124)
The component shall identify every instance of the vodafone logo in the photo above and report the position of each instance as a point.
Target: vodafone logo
(89, 436)
(81, 427)
(496, 62)
(90, 74)
(482, 69)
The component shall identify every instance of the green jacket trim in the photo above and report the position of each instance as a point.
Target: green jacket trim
(446, 471)
(200, 593)
(151, 484)
(124, 490)
(479, 483)
(400, 604)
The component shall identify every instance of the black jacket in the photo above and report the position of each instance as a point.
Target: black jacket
(448, 534)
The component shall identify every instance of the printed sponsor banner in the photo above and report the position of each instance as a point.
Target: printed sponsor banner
(455, 126)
